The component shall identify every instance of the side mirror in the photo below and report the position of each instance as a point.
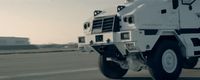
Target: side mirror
(175, 4)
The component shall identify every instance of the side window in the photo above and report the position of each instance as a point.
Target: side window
(188, 2)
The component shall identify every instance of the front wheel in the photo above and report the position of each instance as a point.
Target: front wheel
(165, 61)
(111, 69)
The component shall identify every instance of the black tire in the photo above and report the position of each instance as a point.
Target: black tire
(111, 69)
(190, 63)
(155, 61)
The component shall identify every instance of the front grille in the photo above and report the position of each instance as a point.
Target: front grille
(108, 24)
(97, 23)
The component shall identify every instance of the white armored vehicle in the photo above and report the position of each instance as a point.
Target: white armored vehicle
(162, 36)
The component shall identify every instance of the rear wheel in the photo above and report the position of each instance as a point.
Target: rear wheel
(111, 69)
(190, 63)
(165, 61)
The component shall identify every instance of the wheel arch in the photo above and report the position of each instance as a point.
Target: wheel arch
(173, 37)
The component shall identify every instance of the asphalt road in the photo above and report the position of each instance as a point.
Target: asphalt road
(65, 66)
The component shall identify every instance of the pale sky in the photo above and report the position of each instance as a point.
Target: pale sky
(48, 21)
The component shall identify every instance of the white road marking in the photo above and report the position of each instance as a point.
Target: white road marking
(48, 73)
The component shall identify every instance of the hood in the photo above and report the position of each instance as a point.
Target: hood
(132, 6)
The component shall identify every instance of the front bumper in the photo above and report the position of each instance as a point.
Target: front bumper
(111, 43)
(108, 50)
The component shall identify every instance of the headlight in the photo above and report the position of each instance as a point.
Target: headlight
(131, 46)
(99, 38)
(125, 36)
(125, 19)
(86, 25)
(81, 39)
(130, 19)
